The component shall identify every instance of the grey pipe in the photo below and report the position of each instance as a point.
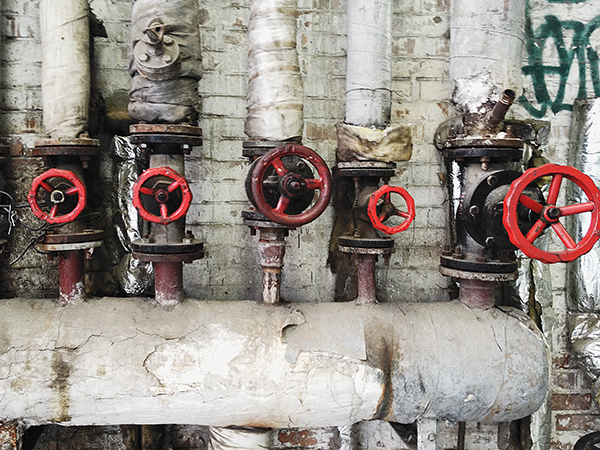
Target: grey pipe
(249, 364)
(369, 63)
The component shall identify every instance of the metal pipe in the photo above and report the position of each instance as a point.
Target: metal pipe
(275, 92)
(369, 63)
(500, 109)
(71, 275)
(168, 282)
(477, 69)
(366, 279)
(250, 364)
(65, 56)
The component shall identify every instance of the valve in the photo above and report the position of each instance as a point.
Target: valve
(379, 212)
(290, 186)
(64, 195)
(161, 195)
(550, 214)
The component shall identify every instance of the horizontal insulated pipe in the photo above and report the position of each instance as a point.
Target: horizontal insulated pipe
(369, 63)
(250, 364)
(65, 56)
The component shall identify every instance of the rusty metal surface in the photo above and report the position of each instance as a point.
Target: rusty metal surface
(467, 275)
(165, 128)
(69, 246)
(484, 141)
(366, 279)
(168, 258)
(168, 282)
(71, 276)
(70, 238)
(10, 436)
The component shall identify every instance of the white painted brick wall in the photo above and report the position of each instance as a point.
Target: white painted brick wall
(217, 171)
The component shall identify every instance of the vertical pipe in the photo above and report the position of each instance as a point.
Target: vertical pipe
(71, 275)
(369, 63)
(478, 30)
(366, 279)
(65, 56)
(275, 92)
(168, 282)
(271, 247)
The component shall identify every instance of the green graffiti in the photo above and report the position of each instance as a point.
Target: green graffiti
(579, 48)
(567, 1)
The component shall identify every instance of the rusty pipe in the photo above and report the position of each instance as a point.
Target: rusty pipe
(500, 109)
(71, 275)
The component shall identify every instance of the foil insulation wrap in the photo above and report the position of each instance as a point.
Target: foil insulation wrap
(583, 274)
(166, 93)
(135, 277)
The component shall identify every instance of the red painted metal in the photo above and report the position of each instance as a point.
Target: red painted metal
(550, 213)
(168, 282)
(366, 279)
(43, 182)
(161, 195)
(71, 275)
(290, 182)
(388, 209)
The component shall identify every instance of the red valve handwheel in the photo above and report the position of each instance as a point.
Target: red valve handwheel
(161, 194)
(388, 209)
(550, 213)
(57, 195)
(291, 185)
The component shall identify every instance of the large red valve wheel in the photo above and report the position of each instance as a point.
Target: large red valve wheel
(160, 183)
(59, 186)
(550, 214)
(291, 185)
(387, 209)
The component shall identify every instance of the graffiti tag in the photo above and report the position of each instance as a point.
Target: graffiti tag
(579, 49)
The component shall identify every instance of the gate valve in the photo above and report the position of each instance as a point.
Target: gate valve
(380, 212)
(290, 185)
(64, 194)
(550, 214)
(164, 191)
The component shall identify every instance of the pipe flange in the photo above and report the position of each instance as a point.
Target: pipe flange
(83, 147)
(256, 219)
(168, 258)
(74, 238)
(165, 128)
(484, 153)
(166, 138)
(144, 246)
(67, 247)
(466, 275)
(155, 66)
(468, 265)
(357, 245)
(484, 142)
(255, 149)
(367, 169)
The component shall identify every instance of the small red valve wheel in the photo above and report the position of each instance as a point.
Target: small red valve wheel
(168, 191)
(291, 185)
(60, 189)
(387, 209)
(550, 214)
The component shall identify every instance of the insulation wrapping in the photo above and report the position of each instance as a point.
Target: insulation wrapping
(390, 144)
(135, 277)
(239, 438)
(369, 63)
(486, 43)
(172, 100)
(65, 56)
(583, 288)
(275, 93)
(252, 365)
